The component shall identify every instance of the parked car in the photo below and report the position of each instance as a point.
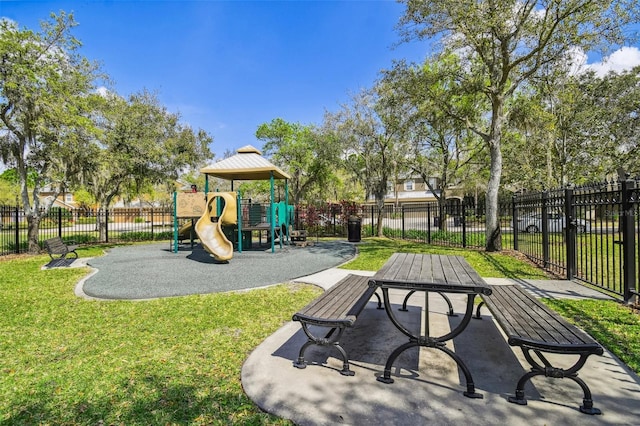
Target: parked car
(556, 223)
(325, 220)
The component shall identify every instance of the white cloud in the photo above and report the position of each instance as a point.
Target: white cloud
(622, 59)
(102, 91)
(575, 61)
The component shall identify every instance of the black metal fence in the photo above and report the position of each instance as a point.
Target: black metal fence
(456, 225)
(85, 226)
(589, 233)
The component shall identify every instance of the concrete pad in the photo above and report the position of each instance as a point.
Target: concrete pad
(428, 386)
(329, 277)
(67, 263)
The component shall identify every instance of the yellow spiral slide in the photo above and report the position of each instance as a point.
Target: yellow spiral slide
(210, 233)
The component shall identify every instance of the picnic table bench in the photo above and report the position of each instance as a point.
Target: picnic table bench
(58, 247)
(336, 309)
(536, 328)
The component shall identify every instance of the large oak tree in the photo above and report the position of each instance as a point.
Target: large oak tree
(507, 42)
(44, 110)
(141, 144)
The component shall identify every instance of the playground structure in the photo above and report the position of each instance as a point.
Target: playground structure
(211, 233)
(231, 218)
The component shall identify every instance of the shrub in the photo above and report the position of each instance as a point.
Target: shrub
(11, 246)
(86, 220)
(165, 235)
(136, 236)
(414, 234)
(82, 238)
(145, 236)
(56, 213)
(447, 236)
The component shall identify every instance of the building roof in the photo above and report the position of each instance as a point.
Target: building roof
(247, 164)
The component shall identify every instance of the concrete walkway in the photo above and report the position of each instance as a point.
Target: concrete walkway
(428, 386)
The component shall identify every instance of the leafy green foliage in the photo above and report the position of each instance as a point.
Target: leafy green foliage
(9, 191)
(44, 109)
(145, 236)
(82, 238)
(504, 45)
(308, 155)
(57, 214)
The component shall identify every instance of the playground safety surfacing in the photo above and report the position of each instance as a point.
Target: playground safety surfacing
(152, 270)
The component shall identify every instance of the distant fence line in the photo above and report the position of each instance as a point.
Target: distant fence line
(81, 226)
(589, 233)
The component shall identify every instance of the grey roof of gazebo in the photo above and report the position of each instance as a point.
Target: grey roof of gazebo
(247, 164)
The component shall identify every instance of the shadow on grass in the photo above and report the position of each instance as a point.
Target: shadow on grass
(152, 400)
(512, 271)
(613, 325)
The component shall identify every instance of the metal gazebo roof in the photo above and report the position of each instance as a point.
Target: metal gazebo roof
(247, 164)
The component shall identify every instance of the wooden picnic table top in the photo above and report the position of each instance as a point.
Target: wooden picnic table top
(430, 272)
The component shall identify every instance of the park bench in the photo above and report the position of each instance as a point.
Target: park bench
(336, 309)
(55, 246)
(536, 328)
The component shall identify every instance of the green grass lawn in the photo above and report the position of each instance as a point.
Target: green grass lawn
(375, 251)
(65, 360)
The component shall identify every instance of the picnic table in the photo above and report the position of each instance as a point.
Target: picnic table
(429, 273)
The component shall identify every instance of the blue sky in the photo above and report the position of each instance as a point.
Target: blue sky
(229, 66)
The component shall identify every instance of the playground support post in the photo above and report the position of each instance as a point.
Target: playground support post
(272, 219)
(286, 203)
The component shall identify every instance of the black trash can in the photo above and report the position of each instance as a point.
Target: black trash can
(354, 229)
(436, 221)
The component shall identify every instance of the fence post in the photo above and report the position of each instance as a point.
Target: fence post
(628, 232)
(152, 238)
(545, 229)
(402, 210)
(372, 223)
(464, 226)
(60, 222)
(570, 232)
(17, 229)
(428, 224)
(106, 225)
(514, 221)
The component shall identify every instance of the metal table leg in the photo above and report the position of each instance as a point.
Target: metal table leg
(429, 342)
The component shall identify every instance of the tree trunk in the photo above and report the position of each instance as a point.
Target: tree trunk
(379, 227)
(493, 233)
(33, 229)
(101, 223)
